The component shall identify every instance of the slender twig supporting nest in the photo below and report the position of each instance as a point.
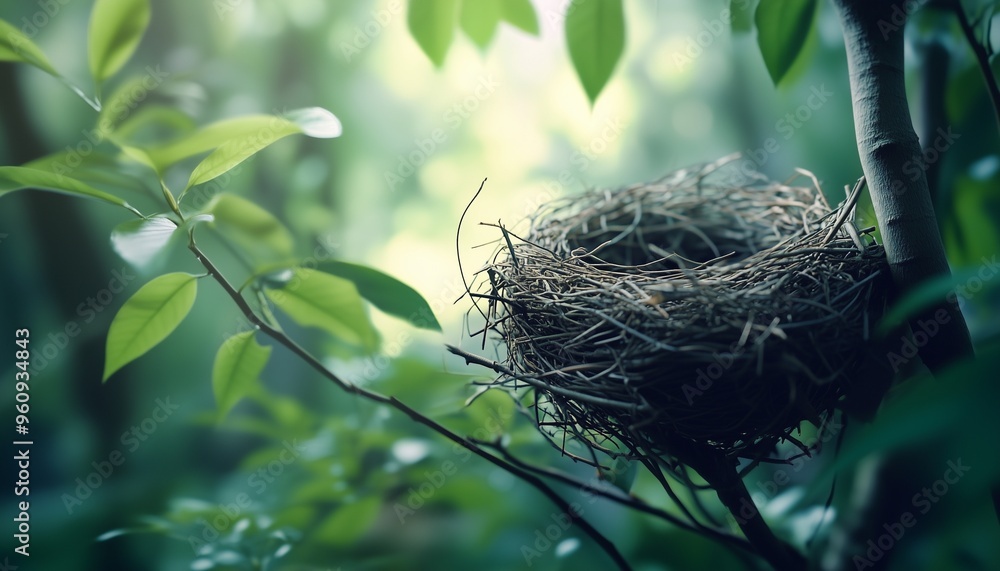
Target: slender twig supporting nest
(691, 320)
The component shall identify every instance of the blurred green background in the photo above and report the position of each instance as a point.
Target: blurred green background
(389, 193)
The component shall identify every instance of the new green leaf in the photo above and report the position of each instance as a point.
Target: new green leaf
(235, 140)
(238, 365)
(15, 46)
(521, 13)
(116, 28)
(139, 242)
(595, 36)
(316, 299)
(147, 318)
(782, 29)
(432, 24)
(387, 293)
(479, 19)
(253, 223)
(18, 178)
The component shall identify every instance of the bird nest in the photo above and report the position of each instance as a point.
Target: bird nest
(690, 312)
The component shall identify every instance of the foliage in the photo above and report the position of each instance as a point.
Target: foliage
(358, 463)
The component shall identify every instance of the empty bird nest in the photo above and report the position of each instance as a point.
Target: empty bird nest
(706, 309)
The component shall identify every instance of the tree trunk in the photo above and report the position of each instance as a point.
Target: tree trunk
(873, 34)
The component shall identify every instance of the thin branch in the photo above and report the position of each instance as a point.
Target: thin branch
(982, 58)
(395, 403)
(622, 499)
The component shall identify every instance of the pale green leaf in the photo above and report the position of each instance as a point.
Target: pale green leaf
(116, 28)
(237, 368)
(595, 35)
(782, 29)
(18, 178)
(317, 299)
(140, 242)
(522, 14)
(241, 137)
(316, 122)
(432, 24)
(387, 293)
(253, 223)
(479, 19)
(153, 123)
(147, 318)
(17, 47)
(234, 152)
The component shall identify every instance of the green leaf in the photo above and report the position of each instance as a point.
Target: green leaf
(782, 29)
(741, 15)
(620, 473)
(237, 368)
(432, 24)
(116, 27)
(387, 293)
(153, 123)
(521, 13)
(349, 522)
(19, 178)
(99, 170)
(253, 223)
(924, 296)
(479, 19)
(139, 242)
(316, 299)
(316, 122)
(17, 47)
(242, 137)
(595, 35)
(234, 152)
(147, 318)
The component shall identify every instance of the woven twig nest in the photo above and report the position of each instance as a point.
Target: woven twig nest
(687, 311)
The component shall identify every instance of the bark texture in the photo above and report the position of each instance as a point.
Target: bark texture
(873, 34)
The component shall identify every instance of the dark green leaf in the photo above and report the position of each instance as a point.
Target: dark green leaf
(139, 242)
(741, 15)
(432, 24)
(782, 29)
(387, 293)
(256, 225)
(15, 46)
(595, 35)
(521, 13)
(238, 366)
(924, 296)
(116, 27)
(18, 178)
(147, 318)
(479, 19)
(958, 408)
(316, 299)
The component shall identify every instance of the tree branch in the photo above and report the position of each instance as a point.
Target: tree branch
(886, 143)
(283, 339)
(982, 58)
